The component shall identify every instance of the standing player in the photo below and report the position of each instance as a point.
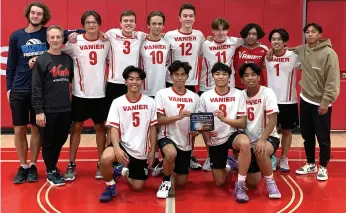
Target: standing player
(251, 52)
(220, 49)
(132, 119)
(185, 45)
(154, 52)
(24, 47)
(262, 110)
(88, 92)
(174, 106)
(51, 79)
(229, 108)
(282, 80)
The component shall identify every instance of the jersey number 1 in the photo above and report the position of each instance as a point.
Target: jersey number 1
(277, 67)
(221, 55)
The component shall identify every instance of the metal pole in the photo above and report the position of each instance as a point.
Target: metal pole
(305, 2)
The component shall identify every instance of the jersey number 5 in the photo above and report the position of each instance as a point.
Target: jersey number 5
(93, 57)
(135, 119)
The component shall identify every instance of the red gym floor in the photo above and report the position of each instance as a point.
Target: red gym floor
(299, 193)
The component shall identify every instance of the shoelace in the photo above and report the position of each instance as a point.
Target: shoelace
(108, 190)
(272, 187)
(241, 188)
(322, 170)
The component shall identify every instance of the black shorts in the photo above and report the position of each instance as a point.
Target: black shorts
(113, 91)
(218, 154)
(138, 168)
(182, 161)
(191, 88)
(85, 108)
(288, 117)
(22, 111)
(275, 142)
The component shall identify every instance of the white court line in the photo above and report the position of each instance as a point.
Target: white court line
(170, 205)
(292, 197)
(38, 198)
(95, 160)
(47, 199)
(301, 195)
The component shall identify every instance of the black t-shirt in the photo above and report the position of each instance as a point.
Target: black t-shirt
(51, 79)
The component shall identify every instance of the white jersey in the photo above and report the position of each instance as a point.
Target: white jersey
(133, 120)
(124, 52)
(89, 59)
(213, 52)
(186, 48)
(169, 103)
(258, 109)
(233, 103)
(153, 61)
(282, 77)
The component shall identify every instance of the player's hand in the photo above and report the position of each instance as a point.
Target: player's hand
(213, 133)
(322, 110)
(184, 113)
(32, 62)
(260, 148)
(121, 156)
(103, 36)
(220, 114)
(151, 157)
(72, 38)
(269, 55)
(8, 96)
(194, 133)
(41, 120)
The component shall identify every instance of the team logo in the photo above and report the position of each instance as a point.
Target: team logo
(33, 47)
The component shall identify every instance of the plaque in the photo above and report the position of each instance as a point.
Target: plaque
(202, 121)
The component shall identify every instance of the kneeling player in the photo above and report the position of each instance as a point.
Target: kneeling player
(228, 106)
(262, 110)
(132, 118)
(174, 106)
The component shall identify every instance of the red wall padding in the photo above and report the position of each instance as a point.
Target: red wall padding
(268, 13)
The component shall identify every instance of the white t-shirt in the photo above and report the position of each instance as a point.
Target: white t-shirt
(133, 120)
(124, 52)
(89, 59)
(232, 103)
(213, 52)
(169, 103)
(281, 73)
(258, 108)
(153, 60)
(186, 48)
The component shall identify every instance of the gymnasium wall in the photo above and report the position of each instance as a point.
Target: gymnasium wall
(267, 13)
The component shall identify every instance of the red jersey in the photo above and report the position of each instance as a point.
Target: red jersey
(245, 55)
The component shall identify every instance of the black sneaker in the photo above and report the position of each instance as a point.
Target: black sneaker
(32, 174)
(54, 178)
(20, 176)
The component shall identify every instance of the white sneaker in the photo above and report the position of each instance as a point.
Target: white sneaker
(194, 164)
(206, 165)
(283, 164)
(308, 168)
(98, 174)
(157, 170)
(164, 189)
(322, 173)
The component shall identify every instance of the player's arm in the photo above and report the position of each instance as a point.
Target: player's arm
(12, 60)
(239, 123)
(37, 94)
(163, 120)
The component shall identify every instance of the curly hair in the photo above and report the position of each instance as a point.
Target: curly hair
(46, 12)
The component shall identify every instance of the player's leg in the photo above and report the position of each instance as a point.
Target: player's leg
(254, 174)
(35, 147)
(98, 117)
(240, 142)
(169, 153)
(20, 119)
(288, 121)
(308, 133)
(106, 168)
(266, 169)
(181, 167)
(218, 162)
(322, 125)
(157, 165)
(79, 115)
(136, 173)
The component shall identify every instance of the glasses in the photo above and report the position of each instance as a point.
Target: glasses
(91, 22)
